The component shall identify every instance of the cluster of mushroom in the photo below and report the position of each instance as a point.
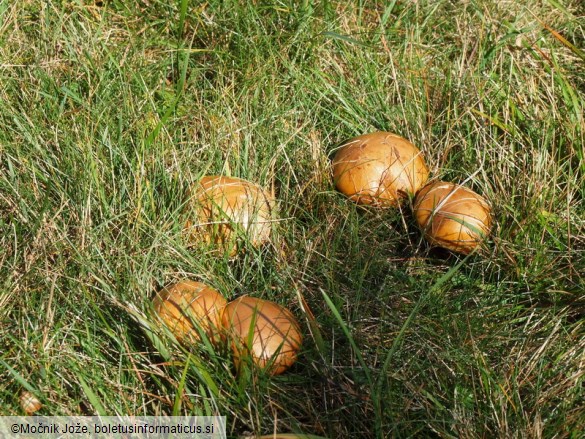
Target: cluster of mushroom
(257, 330)
(228, 212)
(383, 169)
(379, 169)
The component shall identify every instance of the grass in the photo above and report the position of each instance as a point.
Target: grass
(109, 110)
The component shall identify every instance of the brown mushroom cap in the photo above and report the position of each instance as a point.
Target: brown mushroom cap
(226, 207)
(29, 403)
(185, 304)
(379, 169)
(452, 216)
(263, 330)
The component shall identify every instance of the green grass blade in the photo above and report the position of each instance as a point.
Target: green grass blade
(18, 377)
(182, 15)
(348, 335)
(92, 396)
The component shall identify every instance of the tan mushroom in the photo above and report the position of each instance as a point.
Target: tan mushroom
(264, 331)
(452, 216)
(187, 304)
(228, 211)
(29, 402)
(379, 169)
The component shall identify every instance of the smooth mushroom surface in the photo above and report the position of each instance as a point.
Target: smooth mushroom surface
(379, 169)
(452, 216)
(264, 331)
(183, 305)
(230, 211)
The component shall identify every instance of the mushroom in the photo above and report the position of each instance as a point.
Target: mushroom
(230, 210)
(379, 169)
(186, 305)
(452, 216)
(263, 331)
(29, 402)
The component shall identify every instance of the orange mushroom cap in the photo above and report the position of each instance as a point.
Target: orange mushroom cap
(264, 331)
(183, 305)
(379, 169)
(227, 209)
(452, 216)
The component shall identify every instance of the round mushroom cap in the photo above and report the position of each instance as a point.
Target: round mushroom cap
(452, 216)
(379, 169)
(264, 331)
(229, 211)
(186, 305)
(29, 402)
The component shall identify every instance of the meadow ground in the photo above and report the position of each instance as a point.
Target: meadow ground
(109, 110)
